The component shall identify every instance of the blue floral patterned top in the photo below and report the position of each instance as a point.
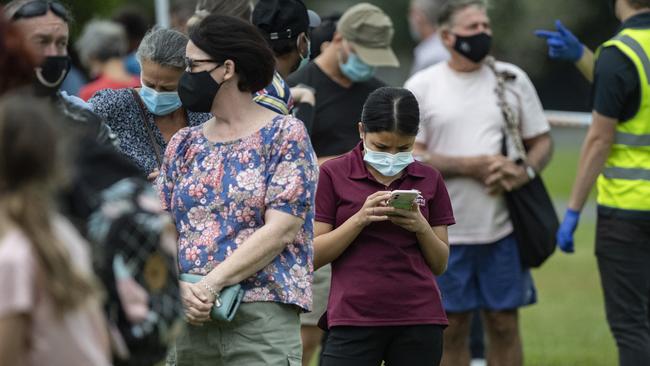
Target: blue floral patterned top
(217, 194)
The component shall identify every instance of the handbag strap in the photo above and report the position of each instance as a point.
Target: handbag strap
(156, 146)
(512, 124)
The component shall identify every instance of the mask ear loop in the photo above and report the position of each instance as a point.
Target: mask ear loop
(41, 79)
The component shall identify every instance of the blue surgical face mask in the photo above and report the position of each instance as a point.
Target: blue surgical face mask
(388, 165)
(304, 60)
(356, 70)
(160, 103)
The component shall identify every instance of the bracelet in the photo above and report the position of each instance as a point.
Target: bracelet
(217, 300)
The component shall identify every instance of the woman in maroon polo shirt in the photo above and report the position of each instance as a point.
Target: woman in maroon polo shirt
(384, 304)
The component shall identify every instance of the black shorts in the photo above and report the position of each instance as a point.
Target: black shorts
(410, 345)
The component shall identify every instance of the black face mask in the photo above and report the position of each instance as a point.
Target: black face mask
(50, 75)
(198, 90)
(475, 47)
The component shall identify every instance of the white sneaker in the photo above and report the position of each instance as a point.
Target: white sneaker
(478, 362)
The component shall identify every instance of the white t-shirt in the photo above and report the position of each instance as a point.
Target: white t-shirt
(460, 117)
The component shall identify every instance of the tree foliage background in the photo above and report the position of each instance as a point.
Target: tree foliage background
(559, 84)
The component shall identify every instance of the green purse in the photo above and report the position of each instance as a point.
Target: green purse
(230, 297)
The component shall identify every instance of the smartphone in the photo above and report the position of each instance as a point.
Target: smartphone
(403, 199)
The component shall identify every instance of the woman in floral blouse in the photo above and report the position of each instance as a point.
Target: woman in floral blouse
(241, 190)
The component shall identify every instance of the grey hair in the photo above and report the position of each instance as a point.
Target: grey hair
(449, 8)
(430, 8)
(162, 46)
(101, 40)
(237, 8)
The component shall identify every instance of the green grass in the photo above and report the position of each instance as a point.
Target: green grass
(567, 326)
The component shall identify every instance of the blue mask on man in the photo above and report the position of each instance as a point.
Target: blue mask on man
(388, 165)
(304, 60)
(160, 103)
(357, 70)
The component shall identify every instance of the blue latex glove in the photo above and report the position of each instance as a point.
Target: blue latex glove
(567, 228)
(562, 45)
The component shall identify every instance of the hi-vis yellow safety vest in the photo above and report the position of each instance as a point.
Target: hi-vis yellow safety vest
(625, 181)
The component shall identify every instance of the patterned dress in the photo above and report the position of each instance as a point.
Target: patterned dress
(218, 193)
(122, 113)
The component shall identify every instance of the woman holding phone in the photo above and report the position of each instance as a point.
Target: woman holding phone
(384, 303)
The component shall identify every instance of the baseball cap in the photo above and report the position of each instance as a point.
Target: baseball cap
(283, 19)
(370, 31)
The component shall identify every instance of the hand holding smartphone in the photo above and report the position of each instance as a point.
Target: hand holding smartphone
(403, 199)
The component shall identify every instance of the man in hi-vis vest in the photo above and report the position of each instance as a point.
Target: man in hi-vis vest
(616, 155)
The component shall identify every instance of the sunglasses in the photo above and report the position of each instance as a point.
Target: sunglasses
(39, 8)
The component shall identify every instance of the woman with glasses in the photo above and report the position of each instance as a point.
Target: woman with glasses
(240, 189)
(146, 118)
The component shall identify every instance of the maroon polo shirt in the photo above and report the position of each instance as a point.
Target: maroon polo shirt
(382, 278)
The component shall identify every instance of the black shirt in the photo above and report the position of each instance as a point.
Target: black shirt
(337, 111)
(616, 92)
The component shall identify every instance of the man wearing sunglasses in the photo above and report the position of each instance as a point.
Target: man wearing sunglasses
(45, 26)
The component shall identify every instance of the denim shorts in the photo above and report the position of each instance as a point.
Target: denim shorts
(486, 276)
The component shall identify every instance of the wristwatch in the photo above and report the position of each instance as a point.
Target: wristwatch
(530, 171)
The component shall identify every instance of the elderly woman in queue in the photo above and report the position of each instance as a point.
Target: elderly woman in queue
(146, 118)
(241, 191)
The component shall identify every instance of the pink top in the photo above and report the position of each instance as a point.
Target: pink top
(79, 338)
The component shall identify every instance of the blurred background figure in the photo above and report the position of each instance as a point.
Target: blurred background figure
(13, 47)
(50, 311)
(322, 35)
(102, 48)
(237, 8)
(145, 119)
(180, 12)
(135, 24)
(423, 26)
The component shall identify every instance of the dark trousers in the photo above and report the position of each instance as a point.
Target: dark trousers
(411, 345)
(623, 251)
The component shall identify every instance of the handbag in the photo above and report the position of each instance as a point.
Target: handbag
(531, 209)
(230, 297)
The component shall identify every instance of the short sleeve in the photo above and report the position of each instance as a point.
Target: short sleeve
(326, 198)
(292, 172)
(533, 119)
(440, 210)
(616, 81)
(169, 168)
(276, 96)
(17, 275)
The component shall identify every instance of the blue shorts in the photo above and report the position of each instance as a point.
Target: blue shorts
(486, 276)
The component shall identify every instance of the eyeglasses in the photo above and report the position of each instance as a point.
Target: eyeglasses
(191, 63)
(39, 8)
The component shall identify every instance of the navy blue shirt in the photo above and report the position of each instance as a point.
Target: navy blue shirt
(616, 92)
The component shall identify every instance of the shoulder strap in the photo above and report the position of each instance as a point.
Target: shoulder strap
(143, 116)
(512, 124)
